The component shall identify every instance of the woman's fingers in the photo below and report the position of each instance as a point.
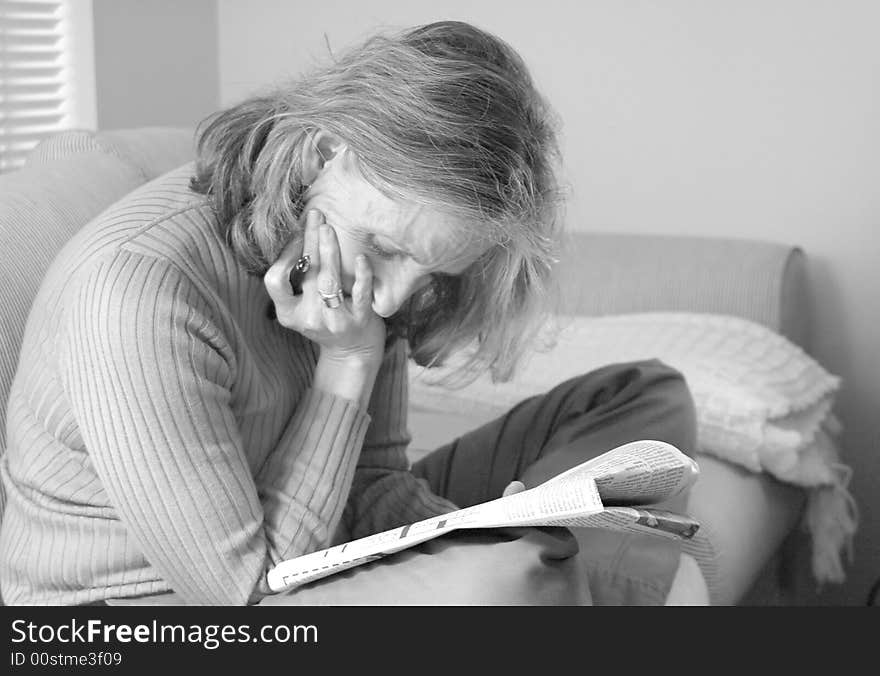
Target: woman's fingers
(362, 291)
(309, 257)
(330, 277)
(341, 326)
(281, 278)
(328, 249)
(314, 219)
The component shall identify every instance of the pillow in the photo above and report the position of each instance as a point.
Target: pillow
(761, 401)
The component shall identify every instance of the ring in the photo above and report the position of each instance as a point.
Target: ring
(332, 300)
(297, 272)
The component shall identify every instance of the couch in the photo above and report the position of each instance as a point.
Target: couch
(70, 178)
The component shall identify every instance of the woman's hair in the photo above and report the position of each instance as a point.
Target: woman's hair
(445, 115)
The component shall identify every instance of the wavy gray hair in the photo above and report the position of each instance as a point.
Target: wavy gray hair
(443, 114)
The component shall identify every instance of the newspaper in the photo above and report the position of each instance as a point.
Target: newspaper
(608, 492)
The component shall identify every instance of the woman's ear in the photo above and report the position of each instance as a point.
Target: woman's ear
(320, 148)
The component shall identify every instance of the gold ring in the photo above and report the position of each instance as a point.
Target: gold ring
(332, 300)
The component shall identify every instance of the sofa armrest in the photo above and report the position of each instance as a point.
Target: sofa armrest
(764, 282)
(746, 517)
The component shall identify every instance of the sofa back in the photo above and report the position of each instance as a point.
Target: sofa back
(67, 181)
(765, 282)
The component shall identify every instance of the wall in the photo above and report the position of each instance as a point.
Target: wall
(155, 62)
(738, 118)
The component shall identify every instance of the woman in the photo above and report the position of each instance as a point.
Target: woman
(214, 375)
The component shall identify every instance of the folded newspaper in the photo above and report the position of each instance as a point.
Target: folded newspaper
(609, 492)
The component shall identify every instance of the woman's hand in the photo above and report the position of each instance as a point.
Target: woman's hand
(351, 335)
(351, 331)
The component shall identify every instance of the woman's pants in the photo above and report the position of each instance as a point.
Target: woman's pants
(537, 439)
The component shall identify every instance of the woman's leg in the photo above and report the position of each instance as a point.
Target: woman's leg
(577, 420)
(539, 438)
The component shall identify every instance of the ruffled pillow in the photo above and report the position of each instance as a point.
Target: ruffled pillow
(761, 401)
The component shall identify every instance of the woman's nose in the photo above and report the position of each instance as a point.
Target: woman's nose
(391, 291)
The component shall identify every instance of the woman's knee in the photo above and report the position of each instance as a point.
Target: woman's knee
(649, 397)
(668, 396)
(672, 406)
(653, 401)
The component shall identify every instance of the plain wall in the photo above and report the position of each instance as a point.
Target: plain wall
(738, 119)
(155, 62)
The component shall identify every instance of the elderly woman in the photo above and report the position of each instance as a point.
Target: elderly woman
(214, 375)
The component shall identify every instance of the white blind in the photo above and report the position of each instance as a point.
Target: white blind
(33, 101)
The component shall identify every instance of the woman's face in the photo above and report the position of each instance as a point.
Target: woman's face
(406, 243)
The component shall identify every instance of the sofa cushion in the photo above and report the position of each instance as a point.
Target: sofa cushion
(41, 207)
(761, 400)
(68, 180)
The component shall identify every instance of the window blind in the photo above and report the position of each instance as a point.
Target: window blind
(32, 76)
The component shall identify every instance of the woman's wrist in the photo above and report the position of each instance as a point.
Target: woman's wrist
(348, 376)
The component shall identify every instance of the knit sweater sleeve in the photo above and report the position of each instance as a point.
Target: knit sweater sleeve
(150, 378)
(385, 494)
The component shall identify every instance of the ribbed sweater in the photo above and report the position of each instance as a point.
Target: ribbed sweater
(162, 430)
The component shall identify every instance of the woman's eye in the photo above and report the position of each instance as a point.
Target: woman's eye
(382, 253)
